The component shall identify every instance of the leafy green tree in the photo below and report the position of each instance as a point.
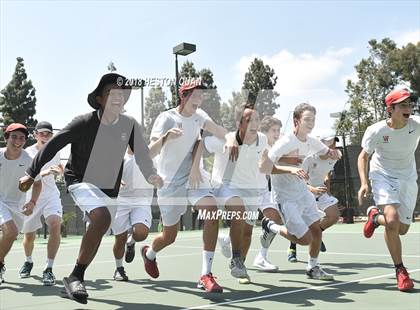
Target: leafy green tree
(17, 99)
(154, 105)
(260, 81)
(386, 67)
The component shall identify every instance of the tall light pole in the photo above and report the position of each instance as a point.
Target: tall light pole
(341, 116)
(182, 49)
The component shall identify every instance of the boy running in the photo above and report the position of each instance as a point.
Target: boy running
(93, 172)
(174, 136)
(48, 205)
(14, 160)
(297, 204)
(318, 168)
(133, 213)
(391, 144)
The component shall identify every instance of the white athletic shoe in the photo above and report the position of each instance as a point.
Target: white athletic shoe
(237, 268)
(263, 264)
(225, 247)
(319, 274)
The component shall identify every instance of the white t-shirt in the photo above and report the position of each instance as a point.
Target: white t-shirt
(175, 159)
(318, 169)
(135, 183)
(10, 173)
(393, 149)
(288, 186)
(243, 173)
(49, 188)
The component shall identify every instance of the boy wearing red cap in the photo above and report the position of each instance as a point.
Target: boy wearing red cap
(391, 143)
(175, 133)
(13, 209)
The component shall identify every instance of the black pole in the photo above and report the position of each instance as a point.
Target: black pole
(176, 81)
(142, 103)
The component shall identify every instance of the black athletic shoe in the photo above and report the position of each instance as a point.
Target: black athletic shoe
(25, 271)
(120, 275)
(130, 252)
(323, 248)
(48, 277)
(265, 223)
(2, 271)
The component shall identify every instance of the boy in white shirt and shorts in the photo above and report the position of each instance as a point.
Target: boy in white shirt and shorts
(391, 144)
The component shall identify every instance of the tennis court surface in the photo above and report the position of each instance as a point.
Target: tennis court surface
(363, 270)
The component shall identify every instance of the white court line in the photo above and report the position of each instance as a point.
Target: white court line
(324, 253)
(316, 288)
(108, 261)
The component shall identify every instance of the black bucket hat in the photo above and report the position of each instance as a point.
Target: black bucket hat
(109, 78)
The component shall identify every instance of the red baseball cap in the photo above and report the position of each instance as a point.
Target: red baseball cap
(188, 86)
(17, 126)
(396, 96)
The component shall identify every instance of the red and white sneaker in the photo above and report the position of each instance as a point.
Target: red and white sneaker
(149, 265)
(403, 279)
(209, 284)
(370, 225)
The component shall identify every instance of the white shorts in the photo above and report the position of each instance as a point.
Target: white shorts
(387, 190)
(11, 213)
(250, 197)
(173, 201)
(298, 215)
(89, 197)
(267, 201)
(325, 201)
(132, 211)
(46, 208)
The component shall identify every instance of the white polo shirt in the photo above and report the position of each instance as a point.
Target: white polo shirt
(175, 160)
(243, 173)
(393, 149)
(10, 173)
(288, 186)
(49, 187)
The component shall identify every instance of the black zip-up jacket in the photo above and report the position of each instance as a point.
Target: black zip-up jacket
(97, 151)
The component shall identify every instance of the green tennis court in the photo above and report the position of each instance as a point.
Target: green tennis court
(363, 271)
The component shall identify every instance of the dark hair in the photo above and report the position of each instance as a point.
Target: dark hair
(268, 122)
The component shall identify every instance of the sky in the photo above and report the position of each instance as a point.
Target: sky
(313, 46)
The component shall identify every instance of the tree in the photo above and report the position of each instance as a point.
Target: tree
(111, 67)
(260, 81)
(211, 100)
(386, 67)
(155, 104)
(17, 99)
(227, 110)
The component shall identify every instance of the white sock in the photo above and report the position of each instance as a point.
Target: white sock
(150, 254)
(274, 228)
(130, 240)
(264, 252)
(29, 259)
(119, 262)
(312, 262)
(49, 263)
(207, 262)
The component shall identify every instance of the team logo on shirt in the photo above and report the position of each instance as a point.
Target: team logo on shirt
(386, 139)
(124, 136)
